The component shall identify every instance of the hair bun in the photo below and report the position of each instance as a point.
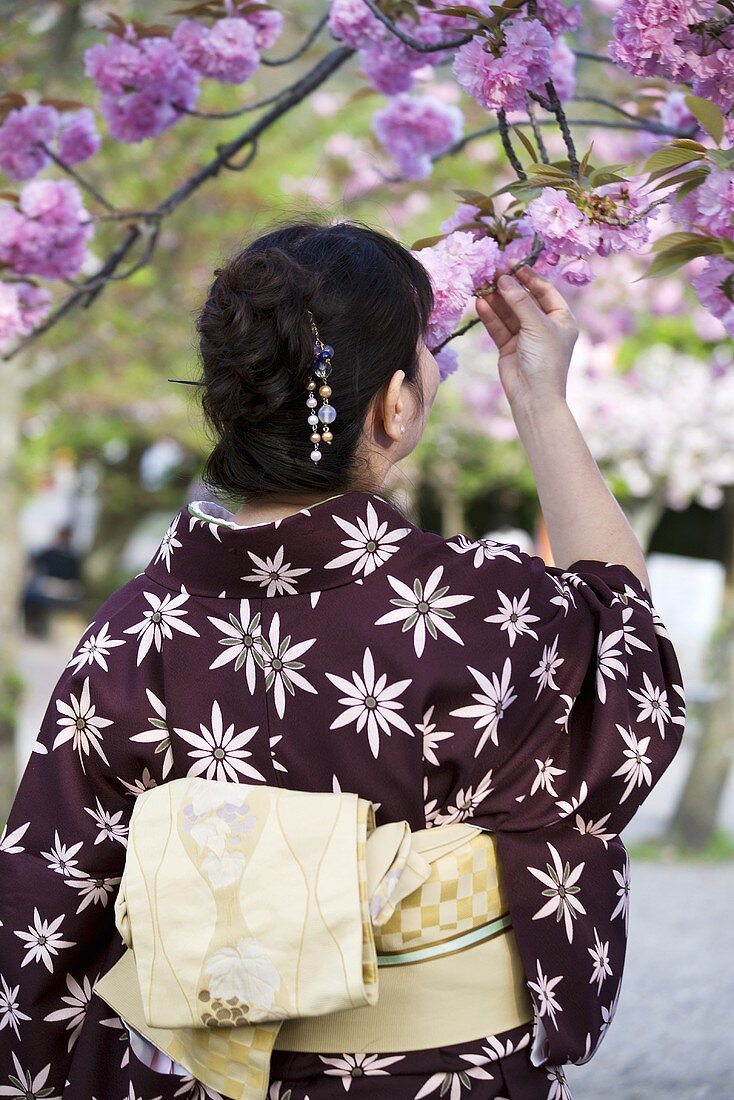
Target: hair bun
(255, 336)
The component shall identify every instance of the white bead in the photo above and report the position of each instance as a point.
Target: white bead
(313, 420)
(316, 456)
(312, 402)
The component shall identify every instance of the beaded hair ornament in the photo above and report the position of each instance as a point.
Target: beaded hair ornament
(320, 367)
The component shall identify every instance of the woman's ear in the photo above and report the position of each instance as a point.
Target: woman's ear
(393, 407)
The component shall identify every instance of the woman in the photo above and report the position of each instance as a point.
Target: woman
(315, 638)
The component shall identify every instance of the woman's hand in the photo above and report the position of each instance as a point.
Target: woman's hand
(535, 333)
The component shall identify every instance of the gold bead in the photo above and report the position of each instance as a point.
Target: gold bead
(327, 435)
(315, 437)
(325, 391)
(311, 386)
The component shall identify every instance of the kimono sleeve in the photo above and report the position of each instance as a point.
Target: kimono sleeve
(61, 858)
(587, 712)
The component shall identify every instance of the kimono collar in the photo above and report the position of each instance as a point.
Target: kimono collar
(340, 540)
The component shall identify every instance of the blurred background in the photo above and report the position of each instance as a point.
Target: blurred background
(99, 452)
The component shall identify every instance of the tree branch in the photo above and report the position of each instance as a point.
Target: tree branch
(560, 114)
(302, 48)
(414, 43)
(83, 183)
(226, 152)
(504, 132)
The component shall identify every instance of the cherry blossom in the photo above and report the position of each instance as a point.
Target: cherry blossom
(145, 85)
(46, 232)
(415, 128)
(501, 82)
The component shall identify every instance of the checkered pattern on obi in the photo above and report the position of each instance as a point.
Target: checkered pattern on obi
(465, 890)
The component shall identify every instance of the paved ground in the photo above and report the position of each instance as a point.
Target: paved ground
(671, 1038)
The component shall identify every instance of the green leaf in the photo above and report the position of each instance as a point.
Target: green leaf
(526, 144)
(667, 262)
(694, 175)
(599, 178)
(727, 287)
(675, 240)
(473, 197)
(427, 242)
(538, 168)
(664, 160)
(583, 167)
(722, 158)
(708, 114)
(688, 143)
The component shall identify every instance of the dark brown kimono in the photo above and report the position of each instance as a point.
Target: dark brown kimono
(345, 648)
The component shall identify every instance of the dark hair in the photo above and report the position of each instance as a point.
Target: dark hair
(371, 300)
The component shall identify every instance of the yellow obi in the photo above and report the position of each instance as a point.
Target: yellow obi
(258, 917)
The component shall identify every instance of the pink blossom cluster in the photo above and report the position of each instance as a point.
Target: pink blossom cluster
(571, 231)
(144, 85)
(46, 232)
(22, 307)
(558, 17)
(414, 128)
(389, 64)
(147, 83)
(522, 65)
(28, 132)
(681, 40)
(714, 286)
(457, 266)
(709, 208)
(229, 50)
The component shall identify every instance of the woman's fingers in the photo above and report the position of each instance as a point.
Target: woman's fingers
(503, 311)
(546, 295)
(495, 324)
(521, 301)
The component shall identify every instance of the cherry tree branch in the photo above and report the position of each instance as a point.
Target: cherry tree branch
(415, 43)
(87, 291)
(504, 132)
(312, 35)
(83, 183)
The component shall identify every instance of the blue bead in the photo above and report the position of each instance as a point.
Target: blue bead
(327, 414)
(327, 351)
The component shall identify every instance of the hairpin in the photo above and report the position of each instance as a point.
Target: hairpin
(321, 367)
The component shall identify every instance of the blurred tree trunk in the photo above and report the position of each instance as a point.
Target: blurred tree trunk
(644, 517)
(11, 572)
(446, 479)
(696, 816)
